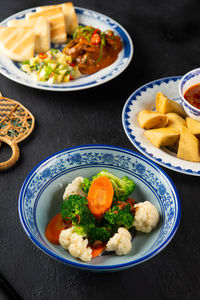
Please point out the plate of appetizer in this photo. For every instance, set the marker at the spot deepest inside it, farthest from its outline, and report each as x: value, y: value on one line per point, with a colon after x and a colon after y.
x: 99, y: 207
x: 157, y: 125
x: 76, y: 49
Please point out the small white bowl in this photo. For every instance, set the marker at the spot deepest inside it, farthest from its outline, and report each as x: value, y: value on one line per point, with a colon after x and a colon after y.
x: 188, y: 80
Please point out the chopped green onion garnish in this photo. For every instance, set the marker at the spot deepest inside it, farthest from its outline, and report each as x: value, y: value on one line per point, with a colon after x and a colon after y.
x: 103, y: 42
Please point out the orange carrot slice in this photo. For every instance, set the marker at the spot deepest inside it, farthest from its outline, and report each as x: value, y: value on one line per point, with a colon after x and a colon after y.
x: 100, y: 196
x: 54, y: 228
x: 97, y: 251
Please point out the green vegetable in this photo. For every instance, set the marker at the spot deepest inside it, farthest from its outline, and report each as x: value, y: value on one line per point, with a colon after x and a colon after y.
x: 36, y: 66
x: 48, y: 70
x: 26, y: 62
x: 119, y: 217
x: 123, y: 188
x: 75, y: 208
x: 98, y: 234
x: 86, y: 185
x: 54, y: 51
x: 80, y: 230
x: 83, y: 30
x: 103, y: 43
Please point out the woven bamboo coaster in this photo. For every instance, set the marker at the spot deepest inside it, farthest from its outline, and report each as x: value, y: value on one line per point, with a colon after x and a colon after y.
x: 16, y: 124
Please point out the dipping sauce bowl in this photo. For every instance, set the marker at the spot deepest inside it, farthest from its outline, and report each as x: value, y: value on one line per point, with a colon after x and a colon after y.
x: 189, y: 80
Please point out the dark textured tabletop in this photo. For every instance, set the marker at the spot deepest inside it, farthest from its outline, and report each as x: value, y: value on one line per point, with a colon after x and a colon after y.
x: 167, y: 43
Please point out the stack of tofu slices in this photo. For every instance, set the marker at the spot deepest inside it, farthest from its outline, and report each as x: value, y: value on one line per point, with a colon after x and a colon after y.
x: 34, y: 34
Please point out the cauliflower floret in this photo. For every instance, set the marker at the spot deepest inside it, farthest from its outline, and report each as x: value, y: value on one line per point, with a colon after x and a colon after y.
x: 78, y: 248
x: 65, y: 237
x: 74, y: 188
x: 123, y: 231
x: 120, y: 242
x: 75, y: 243
x: 146, y: 216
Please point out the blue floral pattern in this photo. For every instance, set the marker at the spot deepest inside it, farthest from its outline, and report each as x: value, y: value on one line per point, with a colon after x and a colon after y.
x: 108, y: 158
x: 189, y: 76
x: 46, y: 173
x: 191, y: 109
x: 140, y: 168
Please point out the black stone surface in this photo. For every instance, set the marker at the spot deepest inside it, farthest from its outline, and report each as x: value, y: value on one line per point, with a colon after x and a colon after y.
x: 167, y: 42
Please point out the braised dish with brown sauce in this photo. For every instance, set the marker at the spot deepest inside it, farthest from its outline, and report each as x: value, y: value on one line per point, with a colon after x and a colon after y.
x: 92, y: 50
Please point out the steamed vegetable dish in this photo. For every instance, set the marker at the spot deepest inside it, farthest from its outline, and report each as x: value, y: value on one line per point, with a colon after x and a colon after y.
x: 92, y: 50
x: 99, y: 215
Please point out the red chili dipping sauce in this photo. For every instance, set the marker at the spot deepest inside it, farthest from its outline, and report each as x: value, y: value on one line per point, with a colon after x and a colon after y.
x: 192, y: 95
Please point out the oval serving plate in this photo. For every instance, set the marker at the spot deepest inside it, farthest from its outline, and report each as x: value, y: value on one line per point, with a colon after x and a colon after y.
x: 145, y: 98
x: 41, y: 196
x: 11, y: 69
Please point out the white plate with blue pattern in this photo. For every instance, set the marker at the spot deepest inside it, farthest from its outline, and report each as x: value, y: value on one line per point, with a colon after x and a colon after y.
x: 144, y: 98
x: 41, y: 197
x: 12, y: 70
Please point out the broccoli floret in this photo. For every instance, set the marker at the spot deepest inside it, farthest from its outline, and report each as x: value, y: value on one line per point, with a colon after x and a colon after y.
x: 80, y: 230
x: 119, y: 217
x: 98, y: 234
x: 75, y: 208
x: 85, y: 185
x: 123, y: 188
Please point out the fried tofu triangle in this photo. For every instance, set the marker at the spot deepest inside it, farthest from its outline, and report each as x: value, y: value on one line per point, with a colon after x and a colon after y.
x: 175, y: 121
x: 151, y: 119
x: 165, y: 105
x: 162, y: 136
x: 193, y: 126
x: 189, y: 147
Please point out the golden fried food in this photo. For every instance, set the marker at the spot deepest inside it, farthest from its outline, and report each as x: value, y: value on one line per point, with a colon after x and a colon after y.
x: 189, y: 146
x: 165, y: 105
x: 151, y: 119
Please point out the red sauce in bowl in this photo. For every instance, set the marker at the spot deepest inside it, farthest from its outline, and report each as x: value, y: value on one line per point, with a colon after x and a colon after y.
x: 192, y: 95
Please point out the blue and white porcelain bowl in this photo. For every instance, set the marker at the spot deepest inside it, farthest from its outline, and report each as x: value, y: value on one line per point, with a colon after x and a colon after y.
x: 41, y: 196
x: 188, y: 80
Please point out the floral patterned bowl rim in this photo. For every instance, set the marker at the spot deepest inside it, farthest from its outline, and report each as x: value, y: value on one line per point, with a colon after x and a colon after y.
x: 12, y: 70
x: 75, y: 159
